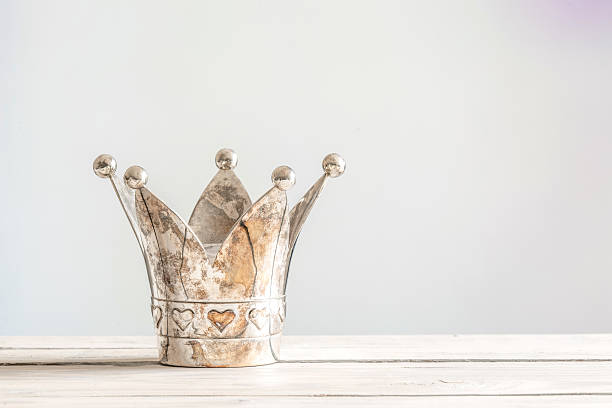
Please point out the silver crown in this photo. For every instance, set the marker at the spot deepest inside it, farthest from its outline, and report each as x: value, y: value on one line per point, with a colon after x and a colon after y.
x: 228, y: 312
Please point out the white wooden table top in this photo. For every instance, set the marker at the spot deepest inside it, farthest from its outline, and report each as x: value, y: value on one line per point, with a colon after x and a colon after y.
x: 381, y: 371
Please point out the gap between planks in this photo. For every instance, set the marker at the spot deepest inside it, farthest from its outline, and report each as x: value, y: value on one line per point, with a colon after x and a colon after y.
x: 120, y: 363
x: 328, y: 349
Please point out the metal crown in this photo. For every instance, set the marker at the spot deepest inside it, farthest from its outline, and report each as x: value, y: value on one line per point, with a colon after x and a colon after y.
x: 217, y: 282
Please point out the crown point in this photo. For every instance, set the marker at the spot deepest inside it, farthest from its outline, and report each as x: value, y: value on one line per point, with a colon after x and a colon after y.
x: 104, y: 165
x: 136, y: 177
x: 283, y: 177
x: 334, y: 165
x: 226, y: 159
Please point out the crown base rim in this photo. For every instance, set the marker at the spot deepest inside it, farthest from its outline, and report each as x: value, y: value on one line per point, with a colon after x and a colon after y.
x: 198, y: 352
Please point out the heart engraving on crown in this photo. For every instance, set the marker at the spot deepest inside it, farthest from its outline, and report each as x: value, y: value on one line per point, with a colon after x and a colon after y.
x: 221, y: 319
x: 258, y: 317
x: 182, y: 317
x: 156, y: 311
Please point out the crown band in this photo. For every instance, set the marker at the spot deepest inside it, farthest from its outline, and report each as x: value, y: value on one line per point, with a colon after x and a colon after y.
x: 200, y: 320
x: 220, y: 302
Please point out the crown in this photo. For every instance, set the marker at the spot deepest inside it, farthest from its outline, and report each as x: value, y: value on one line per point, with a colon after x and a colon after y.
x: 217, y: 282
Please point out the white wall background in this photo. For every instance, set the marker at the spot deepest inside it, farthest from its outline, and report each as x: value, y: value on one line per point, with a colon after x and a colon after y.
x: 478, y: 192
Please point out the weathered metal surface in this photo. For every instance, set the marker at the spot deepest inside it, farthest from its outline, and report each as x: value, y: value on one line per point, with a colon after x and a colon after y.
x: 187, y: 272
x: 127, y: 198
x: 230, y: 312
x: 300, y: 211
x: 281, y: 259
x: 247, y: 255
x: 223, y: 201
x: 159, y: 313
x: 152, y: 254
x: 297, y: 217
x: 242, y: 352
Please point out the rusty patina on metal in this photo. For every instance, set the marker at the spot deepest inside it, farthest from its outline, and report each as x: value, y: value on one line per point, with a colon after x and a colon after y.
x: 218, y: 282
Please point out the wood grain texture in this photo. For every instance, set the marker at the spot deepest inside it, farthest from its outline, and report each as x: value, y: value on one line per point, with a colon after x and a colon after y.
x: 436, y: 371
x: 307, y: 379
x: 79, y: 349
x: 322, y: 401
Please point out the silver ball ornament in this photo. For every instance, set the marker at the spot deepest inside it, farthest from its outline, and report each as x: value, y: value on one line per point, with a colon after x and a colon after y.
x: 104, y: 165
x: 135, y: 177
x: 283, y: 177
x: 226, y: 159
x: 334, y: 165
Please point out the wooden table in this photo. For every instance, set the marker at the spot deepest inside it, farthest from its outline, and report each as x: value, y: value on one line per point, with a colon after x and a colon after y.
x: 381, y: 371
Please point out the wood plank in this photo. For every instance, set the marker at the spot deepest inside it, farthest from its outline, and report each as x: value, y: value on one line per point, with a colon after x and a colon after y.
x: 314, y: 402
x: 310, y: 379
x: 450, y: 347
x: 141, y: 349
x: 71, y: 342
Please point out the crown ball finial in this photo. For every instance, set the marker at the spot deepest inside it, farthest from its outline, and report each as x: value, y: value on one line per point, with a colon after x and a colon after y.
x: 334, y: 165
x: 226, y: 159
x: 283, y: 177
x: 136, y: 177
x: 104, y: 165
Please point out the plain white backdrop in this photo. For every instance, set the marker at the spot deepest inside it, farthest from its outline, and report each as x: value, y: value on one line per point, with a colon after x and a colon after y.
x: 477, y: 135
